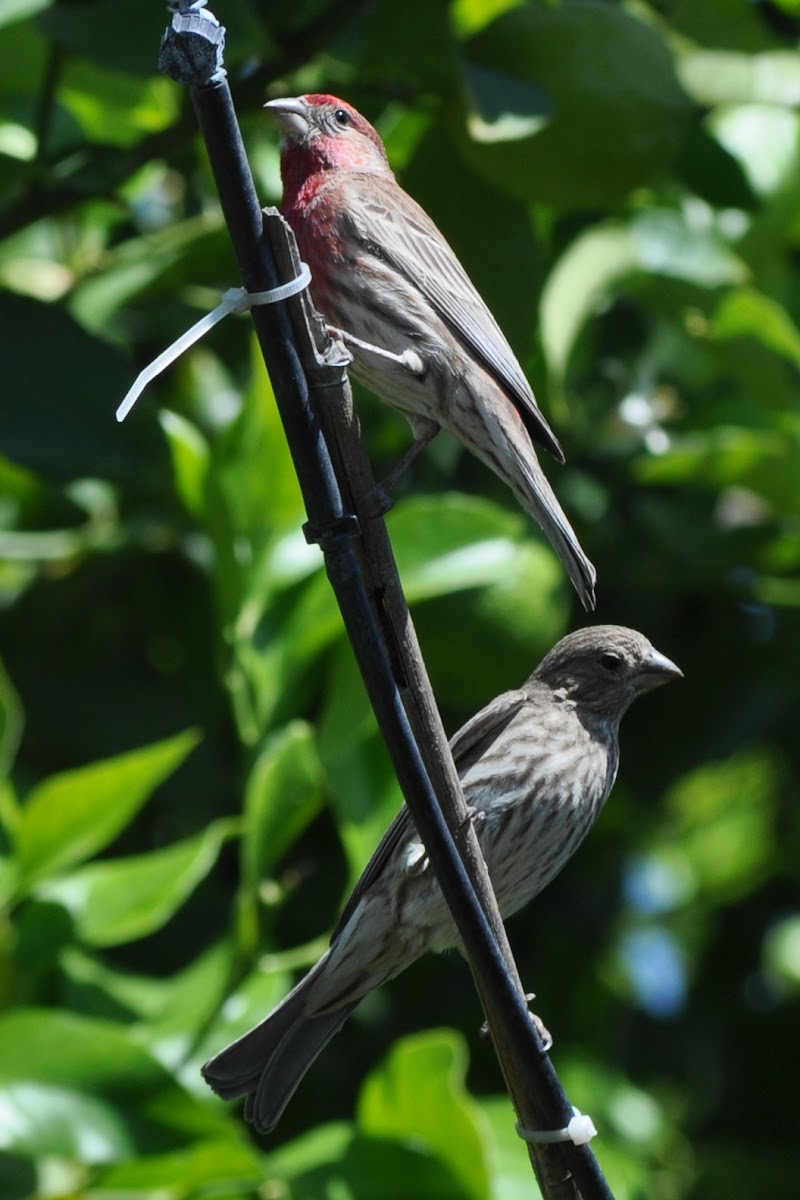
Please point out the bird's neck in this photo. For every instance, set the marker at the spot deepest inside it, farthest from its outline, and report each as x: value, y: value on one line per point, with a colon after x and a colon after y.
x: 305, y: 168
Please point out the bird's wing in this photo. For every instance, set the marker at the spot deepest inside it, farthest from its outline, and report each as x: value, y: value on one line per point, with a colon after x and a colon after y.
x: 409, y: 241
x: 474, y: 738
x: 470, y: 741
x: 400, y: 830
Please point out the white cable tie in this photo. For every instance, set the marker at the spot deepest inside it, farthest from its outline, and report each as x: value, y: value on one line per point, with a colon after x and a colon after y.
x: 580, y: 1131
x: 235, y: 300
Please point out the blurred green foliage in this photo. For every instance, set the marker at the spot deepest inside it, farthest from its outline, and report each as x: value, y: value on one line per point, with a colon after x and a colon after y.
x: 192, y: 777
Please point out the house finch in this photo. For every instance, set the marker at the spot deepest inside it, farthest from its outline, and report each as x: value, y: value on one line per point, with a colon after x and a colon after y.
x: 421, y: 337
x: 536, y: 766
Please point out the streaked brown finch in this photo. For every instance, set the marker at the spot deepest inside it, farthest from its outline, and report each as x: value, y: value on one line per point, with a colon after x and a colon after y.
x: 537, y: 766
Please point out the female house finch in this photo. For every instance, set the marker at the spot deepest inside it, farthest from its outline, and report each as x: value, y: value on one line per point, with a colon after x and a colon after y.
x: 421, y: 337
x: 536, y: 766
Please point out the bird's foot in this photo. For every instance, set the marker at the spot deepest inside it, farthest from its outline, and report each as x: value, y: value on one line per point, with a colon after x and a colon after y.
x: 475, y: 817
x: 545, y: 1037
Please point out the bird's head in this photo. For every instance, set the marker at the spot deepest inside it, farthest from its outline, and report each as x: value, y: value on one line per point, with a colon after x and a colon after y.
x: 324, y: 133
x: 603, y: 668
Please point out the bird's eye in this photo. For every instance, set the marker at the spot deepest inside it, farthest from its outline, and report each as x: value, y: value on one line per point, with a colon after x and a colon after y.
x: 342, y: 117
x: 611, y: 662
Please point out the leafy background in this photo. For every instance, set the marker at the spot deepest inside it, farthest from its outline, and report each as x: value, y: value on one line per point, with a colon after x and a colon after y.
x: 192, y: 777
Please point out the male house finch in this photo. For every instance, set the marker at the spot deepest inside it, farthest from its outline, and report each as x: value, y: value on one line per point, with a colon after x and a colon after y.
x: 421, y: 337
x: 536, y: 766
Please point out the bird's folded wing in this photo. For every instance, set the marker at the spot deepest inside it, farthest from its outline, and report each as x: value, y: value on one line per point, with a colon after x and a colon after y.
x: 400, y: 830
x: 468, y: 744
x: 412, y: 244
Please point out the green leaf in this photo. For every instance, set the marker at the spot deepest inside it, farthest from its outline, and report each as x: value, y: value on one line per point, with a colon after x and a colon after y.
x: 67, y: 1051
x: 71, y: 816
x: 471, y: 15
x: 763, y: 139
x: 255, y: 467
x: 11, y: 721
x: 284, y: 793
x: 390, y: 1170
x: 97, y: 989
x: 190, y: 460
x: 590, y: 93
x: 84, y: 1070
x: 115, y: 108
x: 655, y: 242
x: 581, y: 279
x: 317, y: 1154
x: 781, y: 953
x: 418, y: 1096
x: 746, y: 312
x: 763, y: 460
x: 124, y: 899
x: 474, y: 570
x: 365, y: 792
x: 12, y: 11
x: 449, y: 543
x: 684, y: 246
x: 189, y: 1000
x: 722, y: 817
x: 144, y: 268
x: 41, y: 1119
x: 509, y: 1165
x: 722, y: 77
x: 196, y: 1170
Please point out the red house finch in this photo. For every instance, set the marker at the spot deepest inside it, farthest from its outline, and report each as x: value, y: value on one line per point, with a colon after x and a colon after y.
x: 536, y: 766
x: 421, y: 337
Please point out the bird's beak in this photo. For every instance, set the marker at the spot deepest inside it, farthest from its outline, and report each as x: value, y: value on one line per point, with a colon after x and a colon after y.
x: 657, y: 669
x: 291, y: 113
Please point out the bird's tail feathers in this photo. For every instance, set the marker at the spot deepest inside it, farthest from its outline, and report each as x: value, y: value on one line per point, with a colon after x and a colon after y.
x: 538, y: 498
x: 500, y: 440
x: 279, y: 1050
x: 288, y: 1064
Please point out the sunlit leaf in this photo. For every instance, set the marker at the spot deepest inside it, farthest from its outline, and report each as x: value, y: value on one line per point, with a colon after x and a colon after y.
x: 722, y: 77
x: 763, y: 138
x: 190, y: 460
x: 123, y: 899
x: 17, y: 10
x: 580, y: 281
x: 781, y: 952
x: 418, y: 1095
x: 745, y: 312
x: 71, y: 816
x: 39, y: 1118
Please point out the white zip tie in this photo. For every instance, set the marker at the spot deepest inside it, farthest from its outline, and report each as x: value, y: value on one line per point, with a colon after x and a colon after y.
x: 235, y: 300
x: 580, y: 1131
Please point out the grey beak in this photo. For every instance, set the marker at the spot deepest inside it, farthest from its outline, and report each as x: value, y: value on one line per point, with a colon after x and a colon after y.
x: 291, y: 113
x: 657, y: 669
